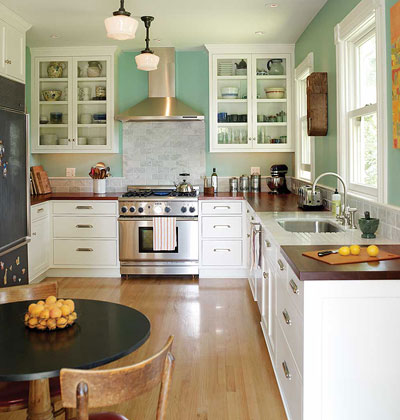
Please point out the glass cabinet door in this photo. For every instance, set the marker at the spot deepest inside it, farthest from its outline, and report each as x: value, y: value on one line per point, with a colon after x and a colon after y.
x: 53, y: 97
x: 231, y: 90
x: 271, y: 99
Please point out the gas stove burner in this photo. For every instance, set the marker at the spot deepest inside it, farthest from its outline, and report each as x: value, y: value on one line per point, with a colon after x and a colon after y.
x: 158, y: 193
x: 138, y: 193
x: 183, y: 194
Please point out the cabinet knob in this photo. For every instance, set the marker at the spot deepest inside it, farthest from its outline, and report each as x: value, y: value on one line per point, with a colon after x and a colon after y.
x: 8, y: 61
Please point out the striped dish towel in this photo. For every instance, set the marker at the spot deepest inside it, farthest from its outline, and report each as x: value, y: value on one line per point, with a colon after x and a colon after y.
x: 164, y: 233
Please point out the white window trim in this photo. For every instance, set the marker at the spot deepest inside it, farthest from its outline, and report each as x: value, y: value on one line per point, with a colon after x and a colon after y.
x: 359, y: 16
x: 306, y: 65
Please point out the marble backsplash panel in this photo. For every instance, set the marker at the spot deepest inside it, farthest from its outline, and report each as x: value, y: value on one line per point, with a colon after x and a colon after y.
x: 155, y: 153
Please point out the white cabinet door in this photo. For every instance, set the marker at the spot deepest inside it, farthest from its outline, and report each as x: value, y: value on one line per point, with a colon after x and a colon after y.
x: 39, y: 248
x: 3, y: 58
x: 15, y: 53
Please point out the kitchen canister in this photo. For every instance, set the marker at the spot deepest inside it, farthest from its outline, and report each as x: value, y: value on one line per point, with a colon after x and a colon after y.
x: 233, y: 184
x: 244, y: 183
x: 255, y: 182
x: 99, y: 186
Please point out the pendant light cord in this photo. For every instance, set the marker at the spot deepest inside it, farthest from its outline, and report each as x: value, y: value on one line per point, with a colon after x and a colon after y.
x: 147, y: 22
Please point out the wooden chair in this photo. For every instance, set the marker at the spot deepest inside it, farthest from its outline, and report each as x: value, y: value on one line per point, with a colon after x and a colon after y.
x: 82, y: 389
x: 14, y: 395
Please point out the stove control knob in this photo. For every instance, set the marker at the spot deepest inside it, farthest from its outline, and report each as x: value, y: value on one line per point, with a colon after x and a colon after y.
x: 192, y: 209
x: 183, y: 209
x: 140, y: 209
x: 132, y: 209
x: 167, y: 209
x: 124, y: 209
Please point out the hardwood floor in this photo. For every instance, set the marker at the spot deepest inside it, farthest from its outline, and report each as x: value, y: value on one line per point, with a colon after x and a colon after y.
x: 222, y: 370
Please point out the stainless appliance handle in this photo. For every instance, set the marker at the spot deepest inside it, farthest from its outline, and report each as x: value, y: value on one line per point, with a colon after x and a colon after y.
x: 13, y: 248
x: 28, y: 178
x: 150, y: 219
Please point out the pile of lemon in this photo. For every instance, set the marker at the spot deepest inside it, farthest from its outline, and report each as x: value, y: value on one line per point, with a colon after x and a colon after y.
x: 50, y: 314
x: 372, y: 250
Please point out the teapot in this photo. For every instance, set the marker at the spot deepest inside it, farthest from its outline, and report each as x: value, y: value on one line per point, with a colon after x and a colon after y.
x: 94, y: 69
x: 184, y: 186
x: 275, y: 67
x: 241, y: 68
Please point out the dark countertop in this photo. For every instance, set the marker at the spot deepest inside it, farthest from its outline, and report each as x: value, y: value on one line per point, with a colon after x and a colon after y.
x: 308, y: 269
x: 37, y: 199
x: 259, y: 201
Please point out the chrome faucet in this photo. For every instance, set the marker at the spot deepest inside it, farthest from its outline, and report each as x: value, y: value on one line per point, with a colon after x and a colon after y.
x: 347, y: 216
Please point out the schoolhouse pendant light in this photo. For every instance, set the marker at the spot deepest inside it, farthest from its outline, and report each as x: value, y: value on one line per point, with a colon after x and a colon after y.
x: 121, y: 26
x: 147, y: 60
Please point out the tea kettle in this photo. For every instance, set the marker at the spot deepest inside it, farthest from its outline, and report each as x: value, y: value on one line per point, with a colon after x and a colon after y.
x: 241, y: 65
x: 184, y: 186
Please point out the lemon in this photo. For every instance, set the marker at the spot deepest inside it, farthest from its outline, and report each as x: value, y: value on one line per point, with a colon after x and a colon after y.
x: 372, y: 250
x: 355, y: 250
x: 344, y: 251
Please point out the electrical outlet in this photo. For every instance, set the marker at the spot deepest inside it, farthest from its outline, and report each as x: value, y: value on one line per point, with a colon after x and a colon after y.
x: 70, y: 172
x: 255, y: 170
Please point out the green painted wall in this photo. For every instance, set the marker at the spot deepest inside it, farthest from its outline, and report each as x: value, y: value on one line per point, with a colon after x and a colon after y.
x: 319, y: 38
x: 192, y: 88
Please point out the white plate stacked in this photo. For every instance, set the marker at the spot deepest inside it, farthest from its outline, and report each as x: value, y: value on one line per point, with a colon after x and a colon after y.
x: 225, y: 68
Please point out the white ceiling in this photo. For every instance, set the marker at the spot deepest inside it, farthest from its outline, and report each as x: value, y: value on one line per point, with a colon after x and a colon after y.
x: 184, y: 24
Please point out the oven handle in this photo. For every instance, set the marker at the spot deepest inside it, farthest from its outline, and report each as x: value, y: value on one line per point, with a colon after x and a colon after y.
x: 150, y: 219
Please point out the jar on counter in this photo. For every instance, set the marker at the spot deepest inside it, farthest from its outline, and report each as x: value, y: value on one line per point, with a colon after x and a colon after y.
x: 233, y: 184
x: 255, y: 183
x: 244, y: 183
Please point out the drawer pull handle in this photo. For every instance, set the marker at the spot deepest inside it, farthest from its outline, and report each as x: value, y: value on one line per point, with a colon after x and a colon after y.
x: 286, y: 317
x: 222, y: 250
x: 40, y: 210
x: 222, y: 207
x: 84, y: 249
x: 222, y: 226
x: 267, y: 244
x: 265, y: 275
x: 286, y: 371
x: 84, y: 207
x: 294, y: 287
x: 84, y: 226
x: 281, y: 265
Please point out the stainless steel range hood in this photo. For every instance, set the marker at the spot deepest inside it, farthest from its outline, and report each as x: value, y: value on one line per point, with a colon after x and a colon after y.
x: 161, y: 105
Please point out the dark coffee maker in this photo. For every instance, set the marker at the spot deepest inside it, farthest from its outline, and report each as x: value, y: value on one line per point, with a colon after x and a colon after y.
x: 277, y: 182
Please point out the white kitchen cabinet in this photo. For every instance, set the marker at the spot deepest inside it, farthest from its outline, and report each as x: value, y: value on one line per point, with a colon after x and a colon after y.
x: 39, y: 249
x: 78, y: 128
x: 223, y: 248
x: 12, y: 45
x: 250, y: 121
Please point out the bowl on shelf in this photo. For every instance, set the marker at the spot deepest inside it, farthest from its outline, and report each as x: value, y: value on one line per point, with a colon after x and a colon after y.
x: 99, y: 118
x: 48, y: 139
x: 51, y: 95
x: 275, y: 92
x: 63, y: 142
x: 230, y: 92
x: 96, y: 141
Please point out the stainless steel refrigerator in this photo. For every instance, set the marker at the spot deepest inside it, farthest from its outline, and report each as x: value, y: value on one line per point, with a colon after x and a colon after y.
x: 14, y: 185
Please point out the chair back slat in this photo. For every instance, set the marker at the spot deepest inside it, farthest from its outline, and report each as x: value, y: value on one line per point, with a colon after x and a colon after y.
x: 28, y: 292
x: 114, y: 386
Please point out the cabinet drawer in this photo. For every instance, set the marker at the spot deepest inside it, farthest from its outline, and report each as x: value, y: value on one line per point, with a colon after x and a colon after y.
x: 221, y: 227
x: 289, y: 378
x: 85, y: 207
x: 222, y: 253
x: 295, y: 288
x: 221, y: 207
x: 292, y: 325
x: 85, y: 252
x: 85, y: 227
x: 39, y: 210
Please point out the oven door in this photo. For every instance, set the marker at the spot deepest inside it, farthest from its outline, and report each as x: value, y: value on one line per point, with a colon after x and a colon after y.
x: 136, y: 241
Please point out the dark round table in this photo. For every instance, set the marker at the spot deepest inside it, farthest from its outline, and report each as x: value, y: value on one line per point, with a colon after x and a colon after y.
x: 103, y: 332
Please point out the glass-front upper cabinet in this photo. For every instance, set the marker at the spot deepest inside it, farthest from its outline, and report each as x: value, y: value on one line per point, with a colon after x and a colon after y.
x: 72, y: 102
x: 250, y: 101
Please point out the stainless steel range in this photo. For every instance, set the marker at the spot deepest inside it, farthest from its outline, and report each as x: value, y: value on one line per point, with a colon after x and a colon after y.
x: 137, y: 210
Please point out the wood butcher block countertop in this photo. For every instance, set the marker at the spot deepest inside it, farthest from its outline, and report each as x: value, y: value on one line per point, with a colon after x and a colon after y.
x: 37, y: 199
x: 308, y: 269
x: 260, y: 202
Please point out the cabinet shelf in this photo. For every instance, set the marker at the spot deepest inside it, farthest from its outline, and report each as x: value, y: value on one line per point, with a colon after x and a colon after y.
x: 271, y: 100
x: 92, y: 79
x: 91, y: 102
x: 53, y: 102
x: 53, y: 79
x: 232, y: 101
x: 231, y: 77
x: 91, y: 125
x: 53, y: 125
x: 283, y: 77
x: 272, y: 124
x: 232, y: 124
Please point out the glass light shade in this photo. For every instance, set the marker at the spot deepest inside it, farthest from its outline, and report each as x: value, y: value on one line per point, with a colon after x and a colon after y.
x: 121, y: 27
x: 147, y: 61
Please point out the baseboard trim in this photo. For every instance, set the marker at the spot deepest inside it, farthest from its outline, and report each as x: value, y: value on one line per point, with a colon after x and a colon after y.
x: 79, y: 272
x: 222, y: 272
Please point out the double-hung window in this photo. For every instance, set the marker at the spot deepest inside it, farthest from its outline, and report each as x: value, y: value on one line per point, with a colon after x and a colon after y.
x: 304, y: 144
x: 360, y: 53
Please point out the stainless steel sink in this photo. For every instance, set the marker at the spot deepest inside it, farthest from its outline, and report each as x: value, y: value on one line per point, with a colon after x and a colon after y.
x: 309, y: 226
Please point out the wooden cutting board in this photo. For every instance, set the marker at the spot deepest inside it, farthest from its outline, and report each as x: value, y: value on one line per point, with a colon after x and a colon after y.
x: 336, y: 259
